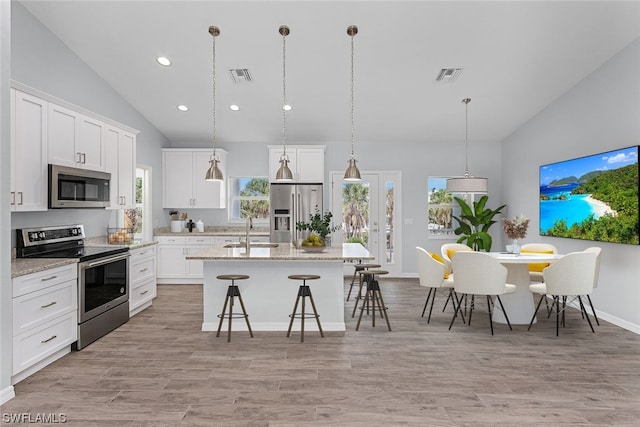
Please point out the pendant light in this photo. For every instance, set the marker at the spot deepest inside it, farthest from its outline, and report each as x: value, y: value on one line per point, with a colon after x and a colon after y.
x: 467, y: 183
x: 352, y: 173
x: 284, y: 173
x: 214, y: 173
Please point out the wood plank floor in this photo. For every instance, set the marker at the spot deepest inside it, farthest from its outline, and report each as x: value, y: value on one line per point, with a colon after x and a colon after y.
x: 159, y: 369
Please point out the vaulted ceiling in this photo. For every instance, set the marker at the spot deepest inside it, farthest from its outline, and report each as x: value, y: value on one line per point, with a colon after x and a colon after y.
x: 517, y: 58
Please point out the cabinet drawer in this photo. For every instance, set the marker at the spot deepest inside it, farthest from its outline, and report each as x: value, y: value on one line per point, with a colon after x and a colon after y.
x: 227, y: 239
x: 201, y: 240
x: 143, y: 253
x: 33, y: 346
x: 142, y: 270
x: 36, y: 308
x: 142, y: 293
x: 43, y: 279
x: 171, y: 240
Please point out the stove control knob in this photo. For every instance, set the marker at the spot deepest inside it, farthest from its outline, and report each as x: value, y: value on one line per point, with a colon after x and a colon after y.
x: 42, y: 235
x: 74, y: 231
x: 33, y: 237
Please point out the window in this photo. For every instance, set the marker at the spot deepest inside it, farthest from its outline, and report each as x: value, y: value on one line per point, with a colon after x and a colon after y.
x: 138, y: 219
x: 441, y: 209
x: 249, y: 197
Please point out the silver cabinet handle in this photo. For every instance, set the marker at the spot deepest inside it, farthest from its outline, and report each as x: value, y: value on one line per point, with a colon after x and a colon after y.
x: 21, y: 199
x: 46, y: 279
x: 84, y: 158
x: 79, y: 154
x: 49, y: 339
x: 13, y: 197
x: 145, y: 292
x: 143, y: 270
x: 49, y: 305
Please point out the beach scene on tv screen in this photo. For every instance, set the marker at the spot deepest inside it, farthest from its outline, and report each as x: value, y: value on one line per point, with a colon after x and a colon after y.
x: 591, y: 198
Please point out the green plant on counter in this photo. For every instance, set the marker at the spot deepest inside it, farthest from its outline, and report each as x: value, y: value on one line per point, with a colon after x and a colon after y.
x: 474, y: 223
x: 319, y: 224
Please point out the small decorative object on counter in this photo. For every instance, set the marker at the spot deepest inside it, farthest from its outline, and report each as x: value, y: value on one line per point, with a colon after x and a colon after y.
x: 119, y: 236
x: 191, y: 225
x: 200, y: 226
x: 320, y: 227
x: 514, y: 229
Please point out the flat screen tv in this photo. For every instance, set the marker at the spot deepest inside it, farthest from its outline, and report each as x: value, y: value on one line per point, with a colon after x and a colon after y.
x: 591, y: 198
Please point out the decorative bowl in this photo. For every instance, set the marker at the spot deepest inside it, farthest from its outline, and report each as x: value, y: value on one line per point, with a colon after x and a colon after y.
x: 313, y: 248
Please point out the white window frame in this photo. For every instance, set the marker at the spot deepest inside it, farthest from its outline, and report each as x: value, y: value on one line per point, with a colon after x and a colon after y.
x: 237, y: 198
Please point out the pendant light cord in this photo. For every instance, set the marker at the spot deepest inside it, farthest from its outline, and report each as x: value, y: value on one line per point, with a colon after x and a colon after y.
x: 352, y: 98
x: 466, y: 102
x: 284, y: 30
x: 214, y: 32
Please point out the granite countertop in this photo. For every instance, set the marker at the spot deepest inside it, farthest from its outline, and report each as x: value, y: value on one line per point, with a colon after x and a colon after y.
x: 214, y: 230
x: 24, y: 266
x: 283, y: 252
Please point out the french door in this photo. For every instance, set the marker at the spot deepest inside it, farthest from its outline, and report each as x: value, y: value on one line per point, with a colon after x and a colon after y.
x: 366, y: 211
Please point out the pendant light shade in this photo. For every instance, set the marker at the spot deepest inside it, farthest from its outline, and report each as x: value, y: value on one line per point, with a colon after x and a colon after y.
x: 214, y: 173
x: 467, y: 184
x: 352, y: 173
x: 284, y: 173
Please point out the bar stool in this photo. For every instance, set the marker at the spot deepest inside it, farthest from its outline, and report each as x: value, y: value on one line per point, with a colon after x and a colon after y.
x: 357, y: 269
x: 364, y: 278
x: 232, y: 291
x: 303, y: 292
x: 373, y: 293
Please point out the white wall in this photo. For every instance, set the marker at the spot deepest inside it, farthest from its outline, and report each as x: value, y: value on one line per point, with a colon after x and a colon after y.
x: 6, y: 389
x: 40, y: 60
x: 600, y: 113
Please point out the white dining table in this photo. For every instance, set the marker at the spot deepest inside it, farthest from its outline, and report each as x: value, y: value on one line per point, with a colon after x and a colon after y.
x: 519, y: 305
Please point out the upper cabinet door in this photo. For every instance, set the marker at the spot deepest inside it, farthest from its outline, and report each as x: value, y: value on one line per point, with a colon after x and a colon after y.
x: 127, y: 170
x: 208, y: 194
x: 91, y: 144
x: 310, y: 165
x: 178, y: 179
x: 63, y: 136
x: 29, y: 175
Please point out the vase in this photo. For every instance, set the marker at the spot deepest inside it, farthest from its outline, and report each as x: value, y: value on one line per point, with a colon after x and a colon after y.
x: 515, y: 247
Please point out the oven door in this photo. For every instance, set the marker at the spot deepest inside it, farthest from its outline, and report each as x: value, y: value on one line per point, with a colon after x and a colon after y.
x: 102, y: 284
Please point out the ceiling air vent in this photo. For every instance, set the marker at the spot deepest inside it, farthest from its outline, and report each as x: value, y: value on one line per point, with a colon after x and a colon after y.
x: 240, y: 75
x: 448, y: 75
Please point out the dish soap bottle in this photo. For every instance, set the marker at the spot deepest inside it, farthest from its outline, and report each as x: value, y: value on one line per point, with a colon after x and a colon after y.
x: 200, y: 226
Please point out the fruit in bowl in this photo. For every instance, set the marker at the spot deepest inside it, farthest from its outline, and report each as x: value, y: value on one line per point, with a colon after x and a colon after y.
x: 313, y: 240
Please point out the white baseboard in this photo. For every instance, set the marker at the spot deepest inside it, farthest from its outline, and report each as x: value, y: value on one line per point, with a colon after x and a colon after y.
x: 624, y: 324
x: 7, y: 394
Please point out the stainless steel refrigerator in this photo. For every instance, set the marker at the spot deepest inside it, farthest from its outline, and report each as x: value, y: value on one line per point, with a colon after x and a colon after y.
x: 289, y: 204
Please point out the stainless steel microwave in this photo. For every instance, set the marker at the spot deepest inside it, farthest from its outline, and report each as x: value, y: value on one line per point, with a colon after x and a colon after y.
x: 78, y: 188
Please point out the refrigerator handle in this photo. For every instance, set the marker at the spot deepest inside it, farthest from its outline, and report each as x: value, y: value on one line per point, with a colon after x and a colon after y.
x: 294, y: 219
x: 299, y: 211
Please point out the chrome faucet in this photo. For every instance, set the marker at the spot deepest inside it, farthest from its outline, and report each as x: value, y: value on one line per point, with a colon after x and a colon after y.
x: 249, y: 227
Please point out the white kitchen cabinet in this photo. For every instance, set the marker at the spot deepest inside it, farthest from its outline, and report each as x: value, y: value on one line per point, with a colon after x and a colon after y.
x: 184, y: 186
x: 121, y: 163
x: 75, y: 140
x: 173, y: 267
x: 29, y: 174
x: 305, y: 161
x: 142, y: 279
x: 45, y: 318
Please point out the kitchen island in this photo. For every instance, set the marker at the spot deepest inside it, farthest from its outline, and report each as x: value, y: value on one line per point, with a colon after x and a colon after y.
x: 269, y: 294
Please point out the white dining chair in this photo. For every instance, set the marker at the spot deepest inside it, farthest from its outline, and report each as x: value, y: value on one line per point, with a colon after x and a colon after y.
x: 478, y: 273
x: 447, y: 251
x: 432, y: 274
x: 572, y: 275
x: 598, y: 251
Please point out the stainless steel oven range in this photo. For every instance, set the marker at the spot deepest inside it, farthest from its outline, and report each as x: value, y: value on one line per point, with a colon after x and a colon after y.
x: 103, y: 276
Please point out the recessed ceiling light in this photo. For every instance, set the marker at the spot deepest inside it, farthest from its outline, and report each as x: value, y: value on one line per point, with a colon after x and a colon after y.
x: 287, y: 107
x: 163, y: 60
x: 234, y: 107
x: 183, y: 108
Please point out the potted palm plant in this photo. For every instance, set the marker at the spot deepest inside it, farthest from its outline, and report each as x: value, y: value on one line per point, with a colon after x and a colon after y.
x: 474, y: 223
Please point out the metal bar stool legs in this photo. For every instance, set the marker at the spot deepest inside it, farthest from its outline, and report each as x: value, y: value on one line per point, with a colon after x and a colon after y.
x: 362, y: 270
x: 374, y: 295
x: 232, y: 292
x: 304, y: 292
